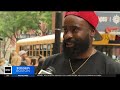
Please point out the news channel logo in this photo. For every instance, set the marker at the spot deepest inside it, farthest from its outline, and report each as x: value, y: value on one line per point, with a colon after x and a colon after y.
x: 8, y: 70
x: 23, y: 71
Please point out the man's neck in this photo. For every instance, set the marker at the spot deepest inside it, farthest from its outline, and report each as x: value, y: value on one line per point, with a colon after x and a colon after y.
x: 88, y: 53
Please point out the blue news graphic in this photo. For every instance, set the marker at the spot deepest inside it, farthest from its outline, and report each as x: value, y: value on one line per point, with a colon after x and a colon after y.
x: 23, y: 70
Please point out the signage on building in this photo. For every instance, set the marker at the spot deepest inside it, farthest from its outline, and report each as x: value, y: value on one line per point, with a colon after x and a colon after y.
x: 108, y: 19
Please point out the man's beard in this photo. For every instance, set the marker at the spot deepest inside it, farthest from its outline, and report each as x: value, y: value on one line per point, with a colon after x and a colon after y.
x: 80, y: 46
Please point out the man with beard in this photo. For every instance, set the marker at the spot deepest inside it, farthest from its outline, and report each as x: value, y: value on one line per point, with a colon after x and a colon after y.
x: 79, y: 56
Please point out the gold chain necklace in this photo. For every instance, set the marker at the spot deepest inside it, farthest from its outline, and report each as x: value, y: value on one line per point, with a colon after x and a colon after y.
x: 73, y: 72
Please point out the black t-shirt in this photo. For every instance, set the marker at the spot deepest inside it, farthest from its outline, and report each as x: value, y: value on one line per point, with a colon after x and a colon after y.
x: 97, y: 64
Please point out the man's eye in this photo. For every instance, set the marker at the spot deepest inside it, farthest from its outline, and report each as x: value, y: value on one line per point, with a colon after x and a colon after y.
x: 75, y: 29
x: 65, y: 29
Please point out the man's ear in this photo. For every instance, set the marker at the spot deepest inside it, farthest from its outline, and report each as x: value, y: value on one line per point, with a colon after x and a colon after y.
x: 92, y: 33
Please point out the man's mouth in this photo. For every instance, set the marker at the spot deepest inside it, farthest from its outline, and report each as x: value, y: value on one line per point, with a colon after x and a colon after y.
x: 69, y: 44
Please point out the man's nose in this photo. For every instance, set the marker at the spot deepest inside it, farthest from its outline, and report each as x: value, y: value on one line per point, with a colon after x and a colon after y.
x: 68, y: 35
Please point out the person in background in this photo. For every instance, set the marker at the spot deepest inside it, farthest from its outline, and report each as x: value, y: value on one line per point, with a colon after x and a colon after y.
x: 34, y: 62
x: 2, y: 65
x: 26, y: 61
x: 40, y: 62
x: 14, y: 53
x: 16, y: 60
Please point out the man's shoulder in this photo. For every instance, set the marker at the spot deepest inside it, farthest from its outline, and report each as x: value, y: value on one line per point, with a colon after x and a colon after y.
x: 51, y: 59
x: 102, y: 57
x: 112, y: 67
